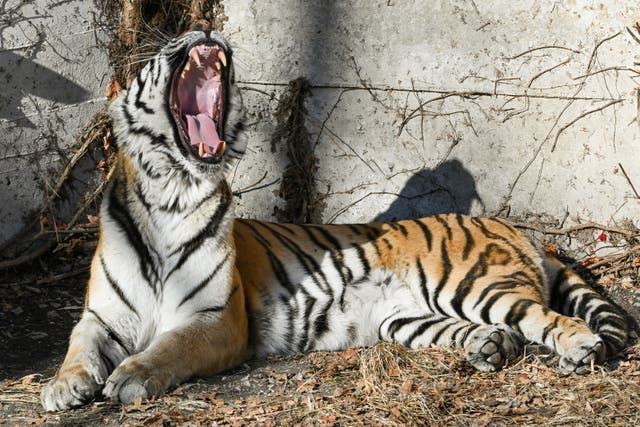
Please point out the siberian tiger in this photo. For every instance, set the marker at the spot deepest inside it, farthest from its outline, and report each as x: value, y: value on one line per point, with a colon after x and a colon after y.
x: 180, y: 288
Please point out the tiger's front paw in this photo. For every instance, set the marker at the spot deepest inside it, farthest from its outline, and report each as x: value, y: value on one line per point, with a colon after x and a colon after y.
x: 133, y: 380
x: 586, y: 351
x: 72, y: 387
x: 489, y: 347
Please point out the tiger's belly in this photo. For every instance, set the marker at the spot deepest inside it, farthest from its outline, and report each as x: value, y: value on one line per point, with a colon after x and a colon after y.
x: 313, y: 320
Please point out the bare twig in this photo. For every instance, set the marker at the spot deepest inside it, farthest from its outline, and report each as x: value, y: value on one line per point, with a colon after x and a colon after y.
x: 579, y: 227
x: 581, y: 116
x: 540, y: 74
x: 541, y: 48
x: 613, y: 258
x: 629, y: 181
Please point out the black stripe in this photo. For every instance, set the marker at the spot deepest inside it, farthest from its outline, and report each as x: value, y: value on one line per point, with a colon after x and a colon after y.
x: 468, y: 245
x: 336, y: 256
x: 426, y: 232
x: 478, y: 270
x: 219, y: 308
x: 308, y: 263
x: 550, y: 327
x: 206, y: 281
x: 139, y: 103
x: 454, y: 336
x: 209, y: 230
x: 445, y: 224
x: 485, y: 313
x: 354, y: 228
x: 380, y: 337
x: 402, y: 229
x: 423, y: 283
x: 308, y: 308
x: 397, y: 324
x: 518, y: 312
x: 285, y: 227
x: 524, y: 259
x: 138, y: 192
x: 421, y: 330
x: 362, y: 257
x: 123, y: 219
x: 501, y: 285
x: 438, y: 334
x: 112, y: 334
x: 468, y: 333
x: 276, y: 264
x: 116, y: 288
x: 336, y: 244
x: 446, y: 272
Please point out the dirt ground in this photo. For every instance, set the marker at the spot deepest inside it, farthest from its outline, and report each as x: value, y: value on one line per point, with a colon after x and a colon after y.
x: 382, y: 385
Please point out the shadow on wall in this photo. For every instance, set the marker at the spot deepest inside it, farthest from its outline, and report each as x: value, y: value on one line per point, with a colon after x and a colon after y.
x: 21, y: 77
x: 448, y: 188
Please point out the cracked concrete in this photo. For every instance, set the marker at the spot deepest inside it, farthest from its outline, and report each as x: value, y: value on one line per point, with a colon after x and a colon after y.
x: 53, y: 71
x: 464, y: 106
x: 470, y: 106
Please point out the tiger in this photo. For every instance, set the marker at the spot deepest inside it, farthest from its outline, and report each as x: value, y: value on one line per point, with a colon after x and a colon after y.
x: 180, y: 288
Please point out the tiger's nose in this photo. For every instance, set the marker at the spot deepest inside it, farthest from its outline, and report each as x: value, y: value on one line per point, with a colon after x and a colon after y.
x: 202, y: 25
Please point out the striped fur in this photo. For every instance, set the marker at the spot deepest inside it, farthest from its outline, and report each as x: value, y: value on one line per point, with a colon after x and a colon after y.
x: 179, y: 287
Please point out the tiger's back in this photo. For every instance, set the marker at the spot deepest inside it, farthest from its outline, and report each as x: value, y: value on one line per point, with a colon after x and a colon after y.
x: 432, y: 280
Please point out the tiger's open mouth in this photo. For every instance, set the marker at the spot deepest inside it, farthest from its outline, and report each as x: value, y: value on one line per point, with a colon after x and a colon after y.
x: 197, y: 101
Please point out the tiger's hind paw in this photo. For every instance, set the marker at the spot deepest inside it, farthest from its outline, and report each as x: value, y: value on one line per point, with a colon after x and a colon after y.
x: 587, y: 351
x: 489, y: 347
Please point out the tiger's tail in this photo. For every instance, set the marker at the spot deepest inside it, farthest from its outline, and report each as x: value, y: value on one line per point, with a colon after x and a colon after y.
x: 570, y: 295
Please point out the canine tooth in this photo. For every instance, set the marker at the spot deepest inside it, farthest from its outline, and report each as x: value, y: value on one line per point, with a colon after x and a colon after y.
x: 218, y: 66
x: 222, y: 57
x: 182, y: 74
x: 196, y: 58
x: 201, y: 150
x: 223, y: 146
x: 186, y: 67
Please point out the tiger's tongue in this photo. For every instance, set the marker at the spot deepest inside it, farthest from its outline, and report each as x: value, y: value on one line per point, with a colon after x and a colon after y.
x: 198, y: 93
x: 202, y: 129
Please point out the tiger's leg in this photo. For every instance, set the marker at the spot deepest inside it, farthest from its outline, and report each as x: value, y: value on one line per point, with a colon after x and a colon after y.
x: 487, y: 347
x: 577, y: 345
x: 211, y: 342
x: 94, y: 351
x: 572, y: 296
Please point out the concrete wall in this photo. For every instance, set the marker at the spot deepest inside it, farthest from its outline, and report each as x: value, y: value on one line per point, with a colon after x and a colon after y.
x: 52, y: 79
x: 474, y: 106
x: 478, y: 106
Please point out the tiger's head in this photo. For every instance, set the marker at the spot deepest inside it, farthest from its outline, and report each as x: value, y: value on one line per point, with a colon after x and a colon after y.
x: 180, y: 115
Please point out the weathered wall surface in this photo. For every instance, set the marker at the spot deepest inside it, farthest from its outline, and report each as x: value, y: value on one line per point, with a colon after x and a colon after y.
x: 52, y: 79
x: 474, y: 106
x: 416, y: 107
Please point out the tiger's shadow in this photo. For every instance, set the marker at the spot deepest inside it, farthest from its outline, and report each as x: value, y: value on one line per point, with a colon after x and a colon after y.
x: 447, y: 188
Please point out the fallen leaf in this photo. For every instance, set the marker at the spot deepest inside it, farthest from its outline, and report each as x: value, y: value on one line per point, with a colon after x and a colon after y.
x: 406, y: 386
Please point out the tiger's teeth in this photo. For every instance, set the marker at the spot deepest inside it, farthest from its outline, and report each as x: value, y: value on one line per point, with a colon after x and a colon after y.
x: 196, y: 58
x: 223, y: 146
x: 201, y: 150
x: 222, y: 57
x: 182, y: 74
x: 218, y: 66
x: 186, y: 67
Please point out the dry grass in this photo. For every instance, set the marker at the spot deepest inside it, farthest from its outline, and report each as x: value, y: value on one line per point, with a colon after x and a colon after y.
x: 382, y: 385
